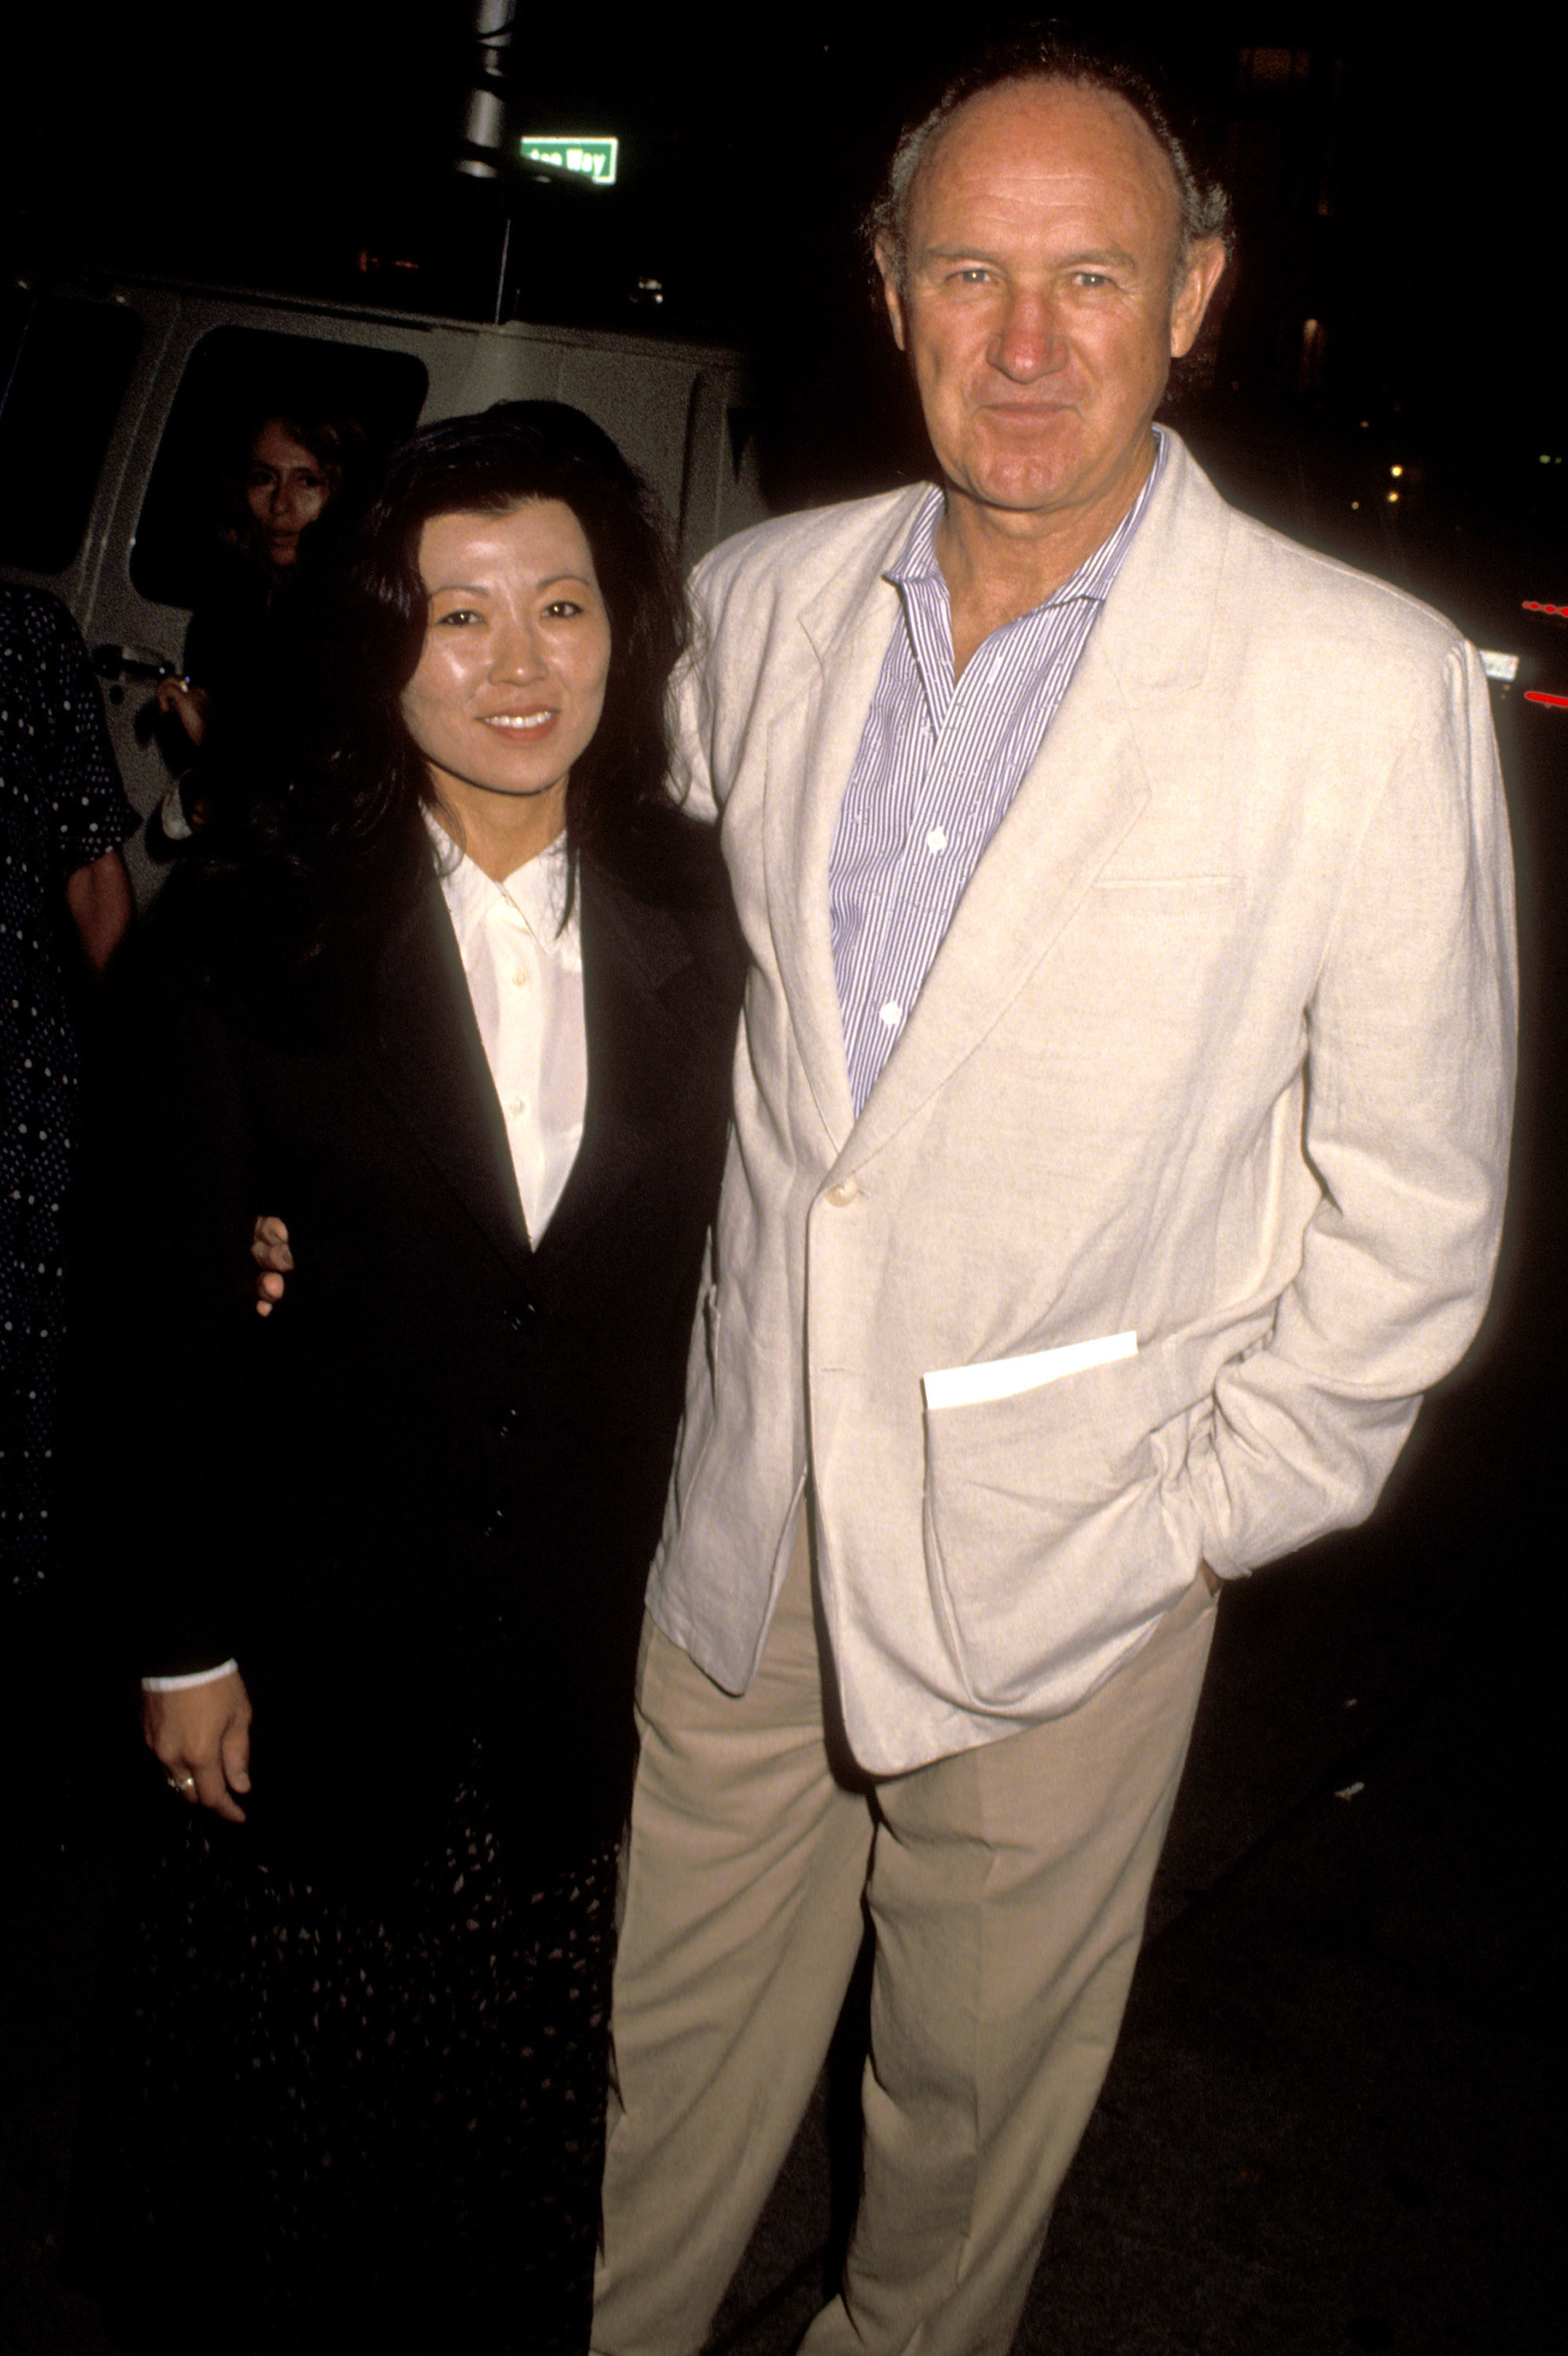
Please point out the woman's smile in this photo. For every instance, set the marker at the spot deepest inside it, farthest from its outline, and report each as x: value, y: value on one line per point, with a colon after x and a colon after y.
x: 535, y: 720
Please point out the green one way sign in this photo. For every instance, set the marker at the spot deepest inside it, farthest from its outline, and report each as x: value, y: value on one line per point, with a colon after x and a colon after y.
x: 594, y: 158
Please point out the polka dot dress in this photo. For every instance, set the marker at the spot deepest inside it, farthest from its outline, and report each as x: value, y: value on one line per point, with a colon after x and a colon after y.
x: 383, y: 2119
x: 61, y: 807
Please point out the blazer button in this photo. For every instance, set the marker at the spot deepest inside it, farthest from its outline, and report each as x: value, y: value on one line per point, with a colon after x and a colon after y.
x: 509, y: 1423
x: 493, y: 1526
x: 844, y: 1193
x: 522, y: 1316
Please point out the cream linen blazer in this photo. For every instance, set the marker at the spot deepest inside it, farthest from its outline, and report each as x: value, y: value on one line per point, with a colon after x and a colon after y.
x: 1218, y: 1050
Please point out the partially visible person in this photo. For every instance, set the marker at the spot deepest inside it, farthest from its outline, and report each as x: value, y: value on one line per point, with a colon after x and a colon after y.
x: 289, y: 473
x: 467, y: 997
x: 65, y: 901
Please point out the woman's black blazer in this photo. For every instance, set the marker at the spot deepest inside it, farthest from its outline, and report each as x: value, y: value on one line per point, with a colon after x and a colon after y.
x: 418, y: 1503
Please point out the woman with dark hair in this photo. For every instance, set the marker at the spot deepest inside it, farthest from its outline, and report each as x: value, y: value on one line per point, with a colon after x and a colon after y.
x: 286, y: 474
x: 457, y: 1002
x: 287, y: 509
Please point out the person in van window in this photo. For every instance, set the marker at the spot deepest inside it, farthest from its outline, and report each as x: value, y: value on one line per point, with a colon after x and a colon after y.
x: 288, y: 507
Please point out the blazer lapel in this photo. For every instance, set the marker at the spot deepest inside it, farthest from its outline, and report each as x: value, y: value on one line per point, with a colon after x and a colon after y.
x: 630, y: 951
x: 430, y: 1065
x: 811, y: 750
x: 1077, y: 801
x: 1083, y: 792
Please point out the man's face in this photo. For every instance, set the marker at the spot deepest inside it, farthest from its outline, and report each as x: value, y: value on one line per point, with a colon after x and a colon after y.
x: 1036, y: 304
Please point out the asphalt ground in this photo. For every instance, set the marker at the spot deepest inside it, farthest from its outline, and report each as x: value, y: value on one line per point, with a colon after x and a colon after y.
x: 1331, y: 2123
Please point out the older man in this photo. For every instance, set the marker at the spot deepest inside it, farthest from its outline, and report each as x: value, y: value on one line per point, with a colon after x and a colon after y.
x: 1121, y: 1125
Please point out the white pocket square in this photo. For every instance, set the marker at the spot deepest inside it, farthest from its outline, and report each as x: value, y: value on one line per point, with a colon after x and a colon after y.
x: 999, y: 1379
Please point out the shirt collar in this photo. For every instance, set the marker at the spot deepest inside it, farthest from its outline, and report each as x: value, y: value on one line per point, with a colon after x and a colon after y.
x: 536, y: 892
x: 916, y: 561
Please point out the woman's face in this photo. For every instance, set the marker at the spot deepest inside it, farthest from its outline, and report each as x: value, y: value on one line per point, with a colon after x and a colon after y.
x: 510, y: 681
x: 285, y: 490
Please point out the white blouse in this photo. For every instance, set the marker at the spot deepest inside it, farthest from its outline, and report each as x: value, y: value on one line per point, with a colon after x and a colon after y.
x: 524, y: 970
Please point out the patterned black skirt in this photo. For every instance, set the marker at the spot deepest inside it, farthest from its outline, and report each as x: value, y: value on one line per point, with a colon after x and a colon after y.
x: 312, y: 2119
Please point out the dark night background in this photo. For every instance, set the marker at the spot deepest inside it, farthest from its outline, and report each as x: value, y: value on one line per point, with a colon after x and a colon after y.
x: 1395, y: 188
x: 1328, y: 2126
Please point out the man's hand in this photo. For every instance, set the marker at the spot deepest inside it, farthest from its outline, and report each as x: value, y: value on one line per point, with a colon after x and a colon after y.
x: 200, y: 1736
x: 270, y: 1250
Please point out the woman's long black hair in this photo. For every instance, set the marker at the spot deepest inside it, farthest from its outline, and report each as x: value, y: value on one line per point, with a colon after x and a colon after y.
x: 336, y: 782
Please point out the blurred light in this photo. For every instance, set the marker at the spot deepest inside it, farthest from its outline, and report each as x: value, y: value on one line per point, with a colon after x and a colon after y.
x: 1538, y: 695
x: 1495, y: 666
x: 1354, y: 504
x: 1391, y: 498
x: 1397, y: 471
x: 1534, y: 606
x: 1365, y: 422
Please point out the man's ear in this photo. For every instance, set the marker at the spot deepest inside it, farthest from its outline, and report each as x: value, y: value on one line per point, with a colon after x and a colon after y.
x: 891, y: 295
x: 1205, y: 268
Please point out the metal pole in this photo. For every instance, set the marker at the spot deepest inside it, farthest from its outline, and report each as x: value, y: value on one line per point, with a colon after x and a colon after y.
x: 485, y: 125
x: 501, y: 273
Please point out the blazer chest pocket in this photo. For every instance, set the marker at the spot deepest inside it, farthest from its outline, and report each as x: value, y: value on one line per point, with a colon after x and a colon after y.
x: 1046, y: 1537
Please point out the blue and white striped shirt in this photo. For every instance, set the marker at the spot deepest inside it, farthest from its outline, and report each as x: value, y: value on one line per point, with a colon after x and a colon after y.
x: 938, y: 765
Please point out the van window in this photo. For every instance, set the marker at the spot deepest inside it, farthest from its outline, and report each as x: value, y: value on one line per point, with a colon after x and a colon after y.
x: 64, y: 367
x: 236, y: 379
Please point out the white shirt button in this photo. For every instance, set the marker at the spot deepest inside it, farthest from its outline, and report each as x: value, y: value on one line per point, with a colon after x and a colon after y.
x: 843, y: 1194
x: 935, y: 840
x: 892, y: 1014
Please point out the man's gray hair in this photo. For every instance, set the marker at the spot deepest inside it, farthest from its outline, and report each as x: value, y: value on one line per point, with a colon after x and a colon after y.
x: 1203, y: 207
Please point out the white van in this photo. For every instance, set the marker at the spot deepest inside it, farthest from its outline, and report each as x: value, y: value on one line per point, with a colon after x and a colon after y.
x: 113, y: 394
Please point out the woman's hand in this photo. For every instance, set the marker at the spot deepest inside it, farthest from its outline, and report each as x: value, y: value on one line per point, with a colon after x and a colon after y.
x: 178, y: 695
x: 200, y: 1736
x: 270, y: 1250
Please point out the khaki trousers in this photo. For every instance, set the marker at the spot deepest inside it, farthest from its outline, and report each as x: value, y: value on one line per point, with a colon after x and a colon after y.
x: 1006, y: 1888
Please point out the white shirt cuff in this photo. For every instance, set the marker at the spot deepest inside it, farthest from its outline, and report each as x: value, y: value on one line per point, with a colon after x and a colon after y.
x: 196, y: 1677
x: 172, y: 817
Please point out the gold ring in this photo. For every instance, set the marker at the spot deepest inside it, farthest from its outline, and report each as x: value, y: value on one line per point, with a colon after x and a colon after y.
x: 180, y: 1782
